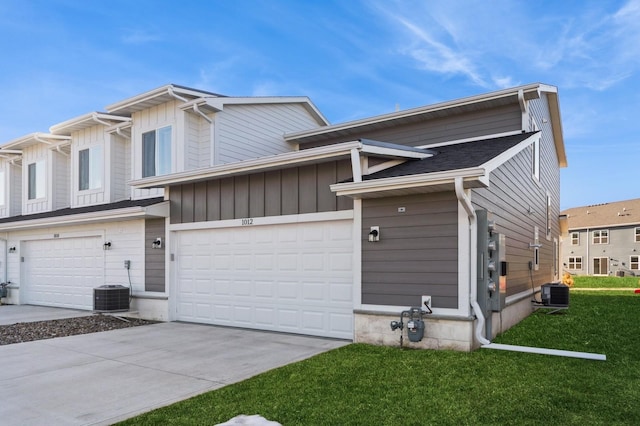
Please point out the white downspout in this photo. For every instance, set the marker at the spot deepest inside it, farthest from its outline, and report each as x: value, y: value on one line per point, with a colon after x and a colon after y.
x: 473, y: 256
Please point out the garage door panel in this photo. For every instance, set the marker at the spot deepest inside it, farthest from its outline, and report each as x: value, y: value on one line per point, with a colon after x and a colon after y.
x: 63, y: 272
x: 294, y: 277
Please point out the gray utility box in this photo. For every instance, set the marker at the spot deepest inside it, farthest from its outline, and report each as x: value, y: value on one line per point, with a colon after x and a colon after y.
x: 111, y: 298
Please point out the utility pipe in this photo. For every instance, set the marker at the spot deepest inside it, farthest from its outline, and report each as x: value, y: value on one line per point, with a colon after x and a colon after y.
x: 473, y: 256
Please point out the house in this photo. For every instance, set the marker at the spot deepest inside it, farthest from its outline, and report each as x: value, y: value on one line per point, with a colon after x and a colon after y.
x: 268, y: 217
x: 602, y: 239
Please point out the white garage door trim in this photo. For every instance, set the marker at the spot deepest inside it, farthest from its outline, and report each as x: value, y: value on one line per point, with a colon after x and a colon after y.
x: 62, y: 272
x: 289, y: 277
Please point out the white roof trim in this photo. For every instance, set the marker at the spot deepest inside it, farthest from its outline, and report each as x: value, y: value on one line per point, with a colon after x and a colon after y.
x: 168, y: 89
x: 87, y: 120
x: 272, y: 161
x: 156, y: 210
x: 499, y: 160
x: 33, y: 139
x: 410, y: 181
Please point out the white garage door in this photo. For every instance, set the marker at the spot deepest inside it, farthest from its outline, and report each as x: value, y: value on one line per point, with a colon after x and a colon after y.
x: 293, y: 278
x: 63, y: 272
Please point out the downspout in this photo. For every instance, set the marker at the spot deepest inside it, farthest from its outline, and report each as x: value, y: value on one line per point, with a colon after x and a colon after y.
x: 473, y: 255
x: 172, y: 93
x: 61, y: 152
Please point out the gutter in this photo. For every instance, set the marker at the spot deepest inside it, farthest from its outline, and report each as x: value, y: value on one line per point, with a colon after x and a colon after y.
x: 473, y: 255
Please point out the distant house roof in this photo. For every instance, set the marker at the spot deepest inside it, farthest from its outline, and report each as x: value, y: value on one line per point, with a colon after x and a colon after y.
x: 619, y: 213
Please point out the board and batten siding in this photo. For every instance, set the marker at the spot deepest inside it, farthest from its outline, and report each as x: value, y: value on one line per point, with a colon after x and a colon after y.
x: 61, y: 183
x: 252, y: 131
x: 435, y: 130
x: 295, y: 190
x: 154, y: 272
x: 85, y: 139
x: 517, y: 203
x: 417, y: 253
x: 119, y: 168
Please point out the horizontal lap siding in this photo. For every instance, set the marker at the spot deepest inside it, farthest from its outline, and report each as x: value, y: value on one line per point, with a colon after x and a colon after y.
x: 417, y: 253
x: 296, y: 190
x: 487, y: 122
x: 253, y: 131
x: 512, y: 193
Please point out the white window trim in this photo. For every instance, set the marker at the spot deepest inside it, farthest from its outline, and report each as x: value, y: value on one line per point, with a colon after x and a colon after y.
x: 594, y: 266
x: 599, y: 231
x: 575, y: 262
x: 636, y: 235
x: 535, y: 160
x: 637, y: 262
x: 41, y: 181
x: 102, y: 174
x: 578, y: 238
x: 172, y: 153
x: 3, y: 188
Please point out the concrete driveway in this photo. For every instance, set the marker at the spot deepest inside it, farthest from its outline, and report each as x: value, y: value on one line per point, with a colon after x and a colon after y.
x: 105, y: 377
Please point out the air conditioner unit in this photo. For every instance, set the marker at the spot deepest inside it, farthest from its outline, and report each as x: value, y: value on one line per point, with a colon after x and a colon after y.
x: 111, y: 298
x: 555, y: 295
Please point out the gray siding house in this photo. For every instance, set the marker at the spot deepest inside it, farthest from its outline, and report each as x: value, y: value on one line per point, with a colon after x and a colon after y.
x: 602, y: 239
x: 266, y: 213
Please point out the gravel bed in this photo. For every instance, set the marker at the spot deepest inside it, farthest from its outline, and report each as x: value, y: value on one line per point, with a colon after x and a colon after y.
x: 30, y: 331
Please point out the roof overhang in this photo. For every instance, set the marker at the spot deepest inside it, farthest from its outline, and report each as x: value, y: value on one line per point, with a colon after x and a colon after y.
x: 155, y: 97
x: 413, y: 184
x: 158, y: 210
x: 288, y: 159
x: 34, y: 139
x: 215, y: 104
x: 86, y: 121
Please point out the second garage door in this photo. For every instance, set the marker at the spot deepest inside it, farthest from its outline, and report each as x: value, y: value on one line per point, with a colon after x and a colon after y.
x: 63, y: 272
x: 293, y: 278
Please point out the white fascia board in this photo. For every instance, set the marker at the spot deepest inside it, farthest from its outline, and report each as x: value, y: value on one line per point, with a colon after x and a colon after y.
x: 84, y: 121
x: 272, y: 161
x: 394, y: 152
x: 411, y: 181
x: 496, y: 162
x: 218, y: 104
x: 116, y: 215
x: 473, y: 139
x: 34, y: 139
x: 147, y: 96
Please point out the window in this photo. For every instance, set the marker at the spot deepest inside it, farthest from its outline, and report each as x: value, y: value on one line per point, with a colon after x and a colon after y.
x: 601, y: 237
x: 36, y: 180
x: 156, y: 152
x: 90, y: 168
x: 634, y: 263
x: 601, y: 266
x: 2, y: 188
x: 637, y: 235
x: 535, y: 159
x: 575, y: 238
x: 575, y: 262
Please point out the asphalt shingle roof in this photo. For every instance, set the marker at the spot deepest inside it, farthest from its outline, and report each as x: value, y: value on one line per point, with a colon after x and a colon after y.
x: 89, y: 209
x: 454, y: 157
x: 604, y: 215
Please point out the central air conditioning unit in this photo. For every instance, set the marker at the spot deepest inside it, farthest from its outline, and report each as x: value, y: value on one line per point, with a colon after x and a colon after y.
x: 111, y: 298
x: 555, y: 295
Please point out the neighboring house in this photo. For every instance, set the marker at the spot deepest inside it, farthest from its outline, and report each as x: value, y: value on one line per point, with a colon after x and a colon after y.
x: 602, y: 239
x: 265, y: 212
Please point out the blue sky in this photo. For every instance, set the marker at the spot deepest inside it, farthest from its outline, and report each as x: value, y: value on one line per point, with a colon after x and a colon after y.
x: 354, y: 59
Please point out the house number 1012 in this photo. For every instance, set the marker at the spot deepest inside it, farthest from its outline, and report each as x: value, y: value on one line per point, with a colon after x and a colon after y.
x: 248, y: 221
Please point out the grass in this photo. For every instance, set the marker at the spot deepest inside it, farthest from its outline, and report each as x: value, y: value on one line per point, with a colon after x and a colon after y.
x: 370, y: 385
x: 606, y: 282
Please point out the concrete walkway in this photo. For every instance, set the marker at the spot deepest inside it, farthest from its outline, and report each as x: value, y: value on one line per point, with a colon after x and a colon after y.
x: 101, y: 378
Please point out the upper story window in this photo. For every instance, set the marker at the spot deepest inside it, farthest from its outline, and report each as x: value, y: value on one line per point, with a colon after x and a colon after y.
x: 36, y: 180
x: 156, y: 152
x: 575, y: 238
x: 601, y: 237
x: 637, y: 239
x: 90, y: 168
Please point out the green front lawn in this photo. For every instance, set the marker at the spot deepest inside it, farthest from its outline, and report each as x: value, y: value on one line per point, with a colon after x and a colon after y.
x: 606, y: 282
x: 370, y: 385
